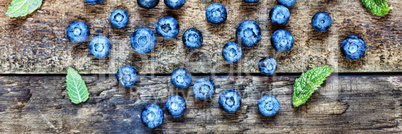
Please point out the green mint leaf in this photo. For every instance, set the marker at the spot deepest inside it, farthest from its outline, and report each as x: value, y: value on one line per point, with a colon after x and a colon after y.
x: 21, y: 8
x: 308, y: 82
x: 76, y: 89
x: 377, y: 7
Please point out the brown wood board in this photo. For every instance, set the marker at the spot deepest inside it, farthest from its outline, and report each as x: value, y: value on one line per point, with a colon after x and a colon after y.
x: 37, y: 44
x: 344, y: 104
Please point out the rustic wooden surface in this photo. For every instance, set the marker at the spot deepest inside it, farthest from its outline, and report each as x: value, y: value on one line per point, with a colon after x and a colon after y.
x: 344, y: 104
x: 37, y: 44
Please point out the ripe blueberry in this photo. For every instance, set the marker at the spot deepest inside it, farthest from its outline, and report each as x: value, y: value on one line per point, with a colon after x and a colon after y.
x: 119, y: 18
x: 168, y: 27
x: 321, y: 21
x: 143, y: 40
x: 152, y: 116
x: 268, y: 105
x: 174, y: 4
x: 279, y: 15
x: 232, y: 52
x: 77, y: 32
x: 282, y: 40
x: 267, y: 66
x: 353, y: 47
x: 248, y: 33
x: 176, y: 105
x: 100, y: 47
x: 181, y: 78
x: 203, y: 89
x: 192, y: 38
x: 127, y: 75
x: 287, y: 3
x: 229, y: 100
x: 94, y: 1
x: 147, y: 4
x: 216, y: 13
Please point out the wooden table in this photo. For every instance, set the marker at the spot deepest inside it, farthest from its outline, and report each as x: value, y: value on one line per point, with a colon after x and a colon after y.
x: 361, y: 96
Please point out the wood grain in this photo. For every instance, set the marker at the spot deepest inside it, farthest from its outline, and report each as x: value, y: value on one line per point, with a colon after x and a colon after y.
x: 37, y: 44
x: 344, y: 104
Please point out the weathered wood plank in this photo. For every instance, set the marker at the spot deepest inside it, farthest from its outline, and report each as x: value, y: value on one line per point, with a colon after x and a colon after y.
x: 38, y: 44
x: 342, y: 105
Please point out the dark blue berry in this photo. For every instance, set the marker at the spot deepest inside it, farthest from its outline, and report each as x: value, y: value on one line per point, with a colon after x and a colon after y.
x: 168, y: 27
x: 119, y: 18
x: 279, y: 15
x: 353, y: 47
x: 94, y: 1
x: 267, y: 66
x: 321, y: 21
x: 287, y: 3
x: 282, y: 40
x: 77, y: 32
x: 250, y: 1
x: 192, y: 38
x: 127, y: 75
x: 100, y: 47
x: 229, y: 100
x: 152, y: 116
x: 216, y: 13
x: 181, y: 78
x: 203, y: 89
x: 248, y: 33
x: 232, y: 52
x: 147, y: 4
x: 174, y: 4
x: 143, y: 40
x: 176, y: 105
x: 268, y: 105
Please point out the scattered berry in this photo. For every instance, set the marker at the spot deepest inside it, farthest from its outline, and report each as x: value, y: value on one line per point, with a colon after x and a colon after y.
x: 353, y: 47
x: 77, y: 32
x: 127, y: 75
x: 203, y: 89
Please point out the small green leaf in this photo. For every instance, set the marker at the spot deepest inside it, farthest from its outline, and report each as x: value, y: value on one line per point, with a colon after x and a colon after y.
x: 377, y: 7
x: 76, y: 89
x: 308, y: 82
x: 20, y: 8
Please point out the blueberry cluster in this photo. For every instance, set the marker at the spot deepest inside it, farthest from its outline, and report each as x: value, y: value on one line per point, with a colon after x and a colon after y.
x: 248, y: 34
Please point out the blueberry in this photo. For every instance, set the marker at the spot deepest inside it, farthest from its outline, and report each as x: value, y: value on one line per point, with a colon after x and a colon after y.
x: 100, y: 47
x: 268, y: 105
x: 203, y: 89
x: 229, y: 100
x: 127, y: 75
x: 152, y: 116
x: 282, y: 40
x: 192, y: 38
x: 232, y: 52
x: 353, y: 47
x: 250, y: 1
x: 321, y: 21
x: 216, y: 13
x: 267, y: 66
x: 287, y: 3
x: 147, y: 4
x: 181, y: 78
x: 176, y: 105
x: 119, y: 18
x: 94, y: 1
x: 248, y: 33
x: 174, y: 4
x: 77, y: 32
x: 168, y: 27
x: 143, y: 40
x: 279, y: 15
